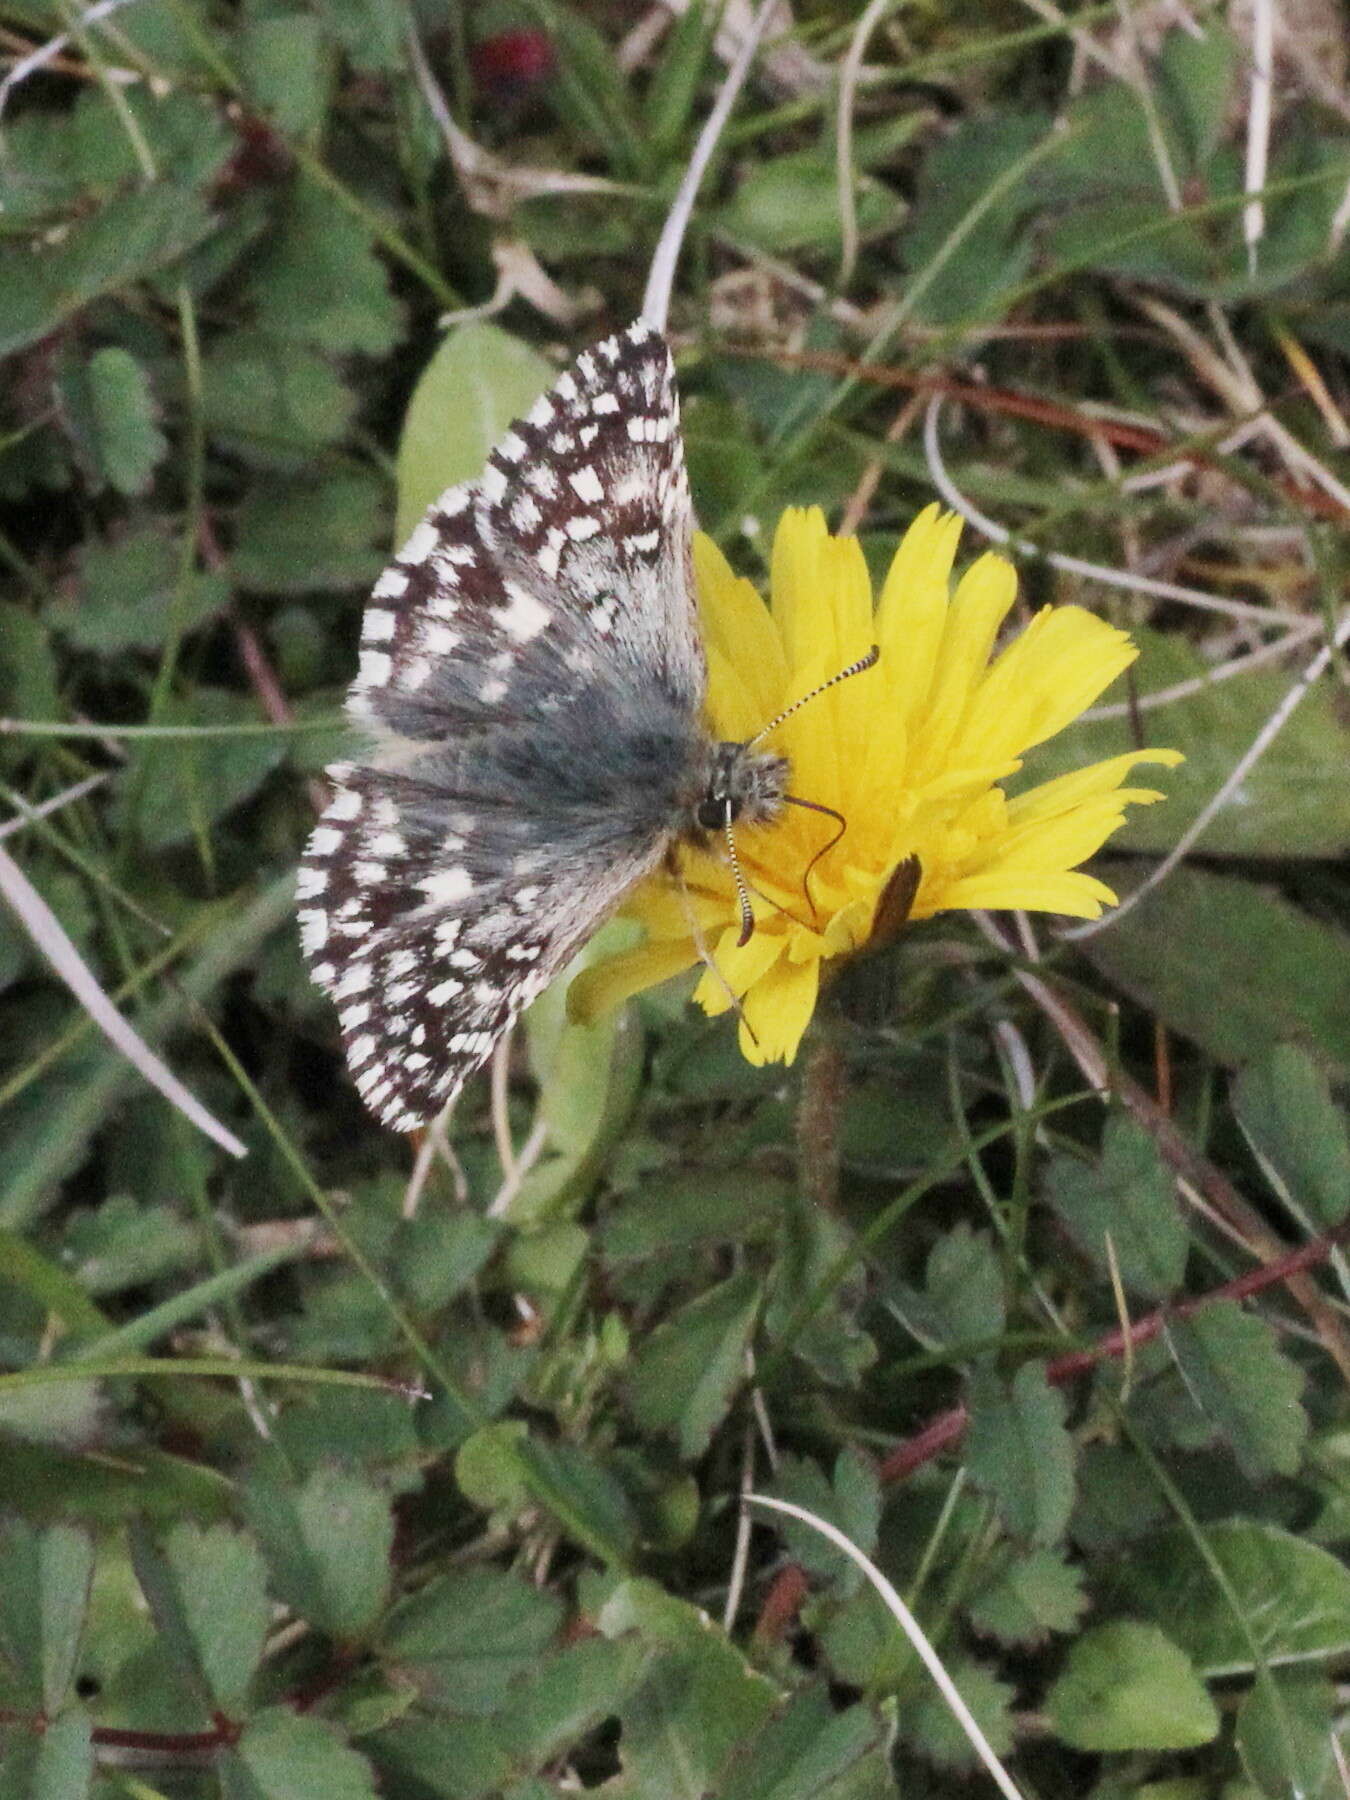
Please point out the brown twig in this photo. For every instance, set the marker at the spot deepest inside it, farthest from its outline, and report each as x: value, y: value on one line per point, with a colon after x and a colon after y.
x: 1010, y: 403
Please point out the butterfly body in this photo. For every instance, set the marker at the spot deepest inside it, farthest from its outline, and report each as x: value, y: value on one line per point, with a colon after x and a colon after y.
x: 530, y: 707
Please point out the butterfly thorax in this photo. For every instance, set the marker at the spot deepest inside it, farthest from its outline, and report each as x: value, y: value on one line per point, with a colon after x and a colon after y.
x: 733, y: 784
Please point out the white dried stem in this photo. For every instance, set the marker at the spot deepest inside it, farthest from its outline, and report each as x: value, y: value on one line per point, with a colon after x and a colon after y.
x: 1258, y: 125
x: 1072, y: 565
x: 849, y: 71
x: 905, y: 1619
x: 661, y: 280
x: 49, y: 936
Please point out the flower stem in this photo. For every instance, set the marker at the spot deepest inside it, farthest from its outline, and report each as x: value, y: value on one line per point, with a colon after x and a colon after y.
x: 820, y: 1111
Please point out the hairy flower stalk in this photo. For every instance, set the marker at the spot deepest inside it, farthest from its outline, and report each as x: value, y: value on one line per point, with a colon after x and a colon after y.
x: 911, y: 754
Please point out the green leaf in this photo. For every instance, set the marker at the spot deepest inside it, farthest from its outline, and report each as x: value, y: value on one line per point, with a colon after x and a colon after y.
x: 954, y: 178
x: 1019, y: 1452
x: 488, y: 1468
x: 1229, y: 964
x: 1284, y: 1733
x: 28, y: 687
x: 669, y: 1214
x: 1129, y: 1198
x: 1283, y: 1104
x: 272, y: 402
x: 317, y: 279
x: 567, y: 1696
x: 111, y: 414
x: 1237, y: 1374
x: 369, y: 32
x: 1293, y: 1597
x: 67, y: 1484
x: 791, y: 202
x: 327, y: 1544
x: 183, y: 786
x: 698, y: 1703
x: 282, y: 65
x: 1031, y: 1597
x: 58, y: 1765
x: 1127, y: 1686
x: 133, y: 236
x: 67, y: 1416
x: 1292, y: 803
x: 673, y: 90
x: 851, y: 1502
x: 963, y: 1291
x: 129, y: 597
x: 684, y: 1376
x: 479, y: 381
x: 122, y: 1244
x: 207, y: 1591
x: 581, y: 1494
x: 929, y: 1725
x: 589, y: 89
x: 303, y: 536
x: 284, y: 1755
x: 448, y: 1759
x: 589, y: 1077
x: 468, y: 1635
x: 44, y: 1595
x: 811, y: 1752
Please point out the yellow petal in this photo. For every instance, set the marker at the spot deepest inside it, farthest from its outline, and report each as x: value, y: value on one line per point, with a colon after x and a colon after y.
x: 799, y: 604
x: 1066, y: 791
x: 982, y: 600
x: 739, y: 629
x: 1073, y: 893
x: 912, y: 610
x: 777, y: 1011
x: 1048, y: 675
x: 736, y: 967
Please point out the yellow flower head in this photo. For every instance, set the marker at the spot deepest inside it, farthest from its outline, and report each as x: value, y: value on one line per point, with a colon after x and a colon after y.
x: 910, y: 753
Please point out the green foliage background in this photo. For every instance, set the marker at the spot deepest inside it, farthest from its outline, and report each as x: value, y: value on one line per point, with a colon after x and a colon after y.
x: 310, y: 1486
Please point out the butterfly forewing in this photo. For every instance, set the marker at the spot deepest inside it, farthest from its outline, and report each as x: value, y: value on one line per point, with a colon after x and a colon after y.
x: 531, y: 680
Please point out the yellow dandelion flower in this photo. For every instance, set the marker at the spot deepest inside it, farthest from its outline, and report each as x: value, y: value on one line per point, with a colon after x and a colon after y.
x: 910, y: 753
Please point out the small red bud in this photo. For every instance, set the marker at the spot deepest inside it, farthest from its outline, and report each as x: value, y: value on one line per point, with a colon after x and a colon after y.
x: 508, y: 62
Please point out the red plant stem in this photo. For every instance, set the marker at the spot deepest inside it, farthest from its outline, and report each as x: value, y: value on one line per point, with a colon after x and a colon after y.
x: 170, y: 1743
x: 949, y: 1427
x: 781, y: 1604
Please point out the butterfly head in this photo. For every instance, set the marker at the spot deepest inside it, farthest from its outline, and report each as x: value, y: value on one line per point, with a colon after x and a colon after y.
x: 738, y: 786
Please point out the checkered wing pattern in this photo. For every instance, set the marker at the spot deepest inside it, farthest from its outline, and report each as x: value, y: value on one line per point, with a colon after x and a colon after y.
x: 532, y: 642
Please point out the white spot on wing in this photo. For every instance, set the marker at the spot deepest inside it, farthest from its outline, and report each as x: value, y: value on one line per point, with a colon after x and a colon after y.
x: 586, y: 485
x: 493, y: 483
x: 445, y: 886
x: 373, y: 669
x: 391, y: 585
x: 525, y: 617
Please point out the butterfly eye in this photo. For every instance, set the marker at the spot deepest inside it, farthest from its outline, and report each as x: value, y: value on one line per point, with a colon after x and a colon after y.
x: 712, y: 813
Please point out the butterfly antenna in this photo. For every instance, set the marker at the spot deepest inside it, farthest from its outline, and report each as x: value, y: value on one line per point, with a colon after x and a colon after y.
x: 701, y: 945
x: 816, y: 806
x: 854, y: 668
x: 661, y: 280
x: 742, y: 892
